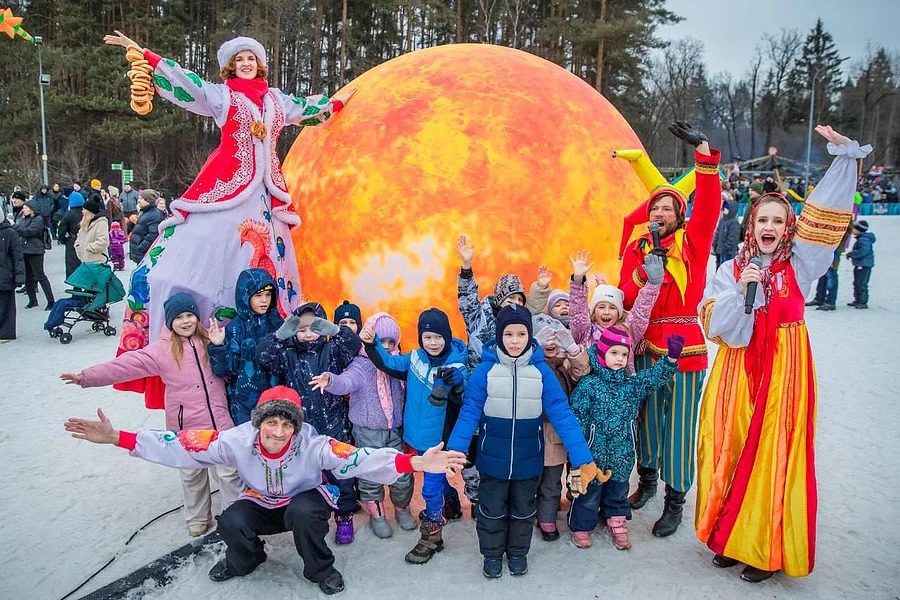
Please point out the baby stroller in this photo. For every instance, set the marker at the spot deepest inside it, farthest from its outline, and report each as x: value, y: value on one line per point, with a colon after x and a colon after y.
x: 94, y: 288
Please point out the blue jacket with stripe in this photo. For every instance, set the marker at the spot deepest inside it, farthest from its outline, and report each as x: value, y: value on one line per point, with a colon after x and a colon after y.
x: 506, y: 398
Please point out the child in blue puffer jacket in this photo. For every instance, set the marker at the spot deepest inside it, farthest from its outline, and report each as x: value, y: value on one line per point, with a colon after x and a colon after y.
x: 506, y: 396
x: 433, y: 374
x: 232, y: 351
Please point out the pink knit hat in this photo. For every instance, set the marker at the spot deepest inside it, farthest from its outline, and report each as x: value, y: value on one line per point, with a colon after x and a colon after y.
x: 386, y: 327
x: 612, y: 336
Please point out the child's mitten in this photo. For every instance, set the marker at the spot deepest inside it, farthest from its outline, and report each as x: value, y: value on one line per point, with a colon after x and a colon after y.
x: 323, y: 327
x: 439, y: 394
x: 289, y: 328
x: 675, y: 344
x: 654, y: 267
x: 567, y: 342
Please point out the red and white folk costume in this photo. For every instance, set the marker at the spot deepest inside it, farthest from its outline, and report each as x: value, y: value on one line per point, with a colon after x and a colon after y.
x: 237, y: 213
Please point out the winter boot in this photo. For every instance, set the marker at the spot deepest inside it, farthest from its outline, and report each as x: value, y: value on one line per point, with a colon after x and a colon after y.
x: 671, y: 517
x: 452, y: 507
x: 332, y: 584
x: 754, y: 575
x: 619, y: 532
x: 582, y: 539
x: 405, y: 519
x: 493, y: 568
x: 647, y: 482
x: 377, y: 521
x: 198, y: 529
x: 549, y: 532
x: 344, y: 532
x: 518, y: 565
x: 827, y: 307
x: 428, y: 545
x: 220, y: 572
x: 723, y: 562
x: 813, y: 303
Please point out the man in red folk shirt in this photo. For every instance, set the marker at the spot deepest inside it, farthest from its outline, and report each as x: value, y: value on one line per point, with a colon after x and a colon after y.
x: 667, y: 422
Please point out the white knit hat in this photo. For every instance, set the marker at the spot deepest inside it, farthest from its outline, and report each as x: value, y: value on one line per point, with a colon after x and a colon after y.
x: 608, y: 293
x: 238, y: 44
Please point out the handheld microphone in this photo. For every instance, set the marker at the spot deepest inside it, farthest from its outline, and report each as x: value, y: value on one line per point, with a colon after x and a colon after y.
x: 751, y: 288
x: 654, y: 232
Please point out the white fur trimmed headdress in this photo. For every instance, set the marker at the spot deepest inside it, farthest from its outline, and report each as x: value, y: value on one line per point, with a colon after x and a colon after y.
x: 238, y: 44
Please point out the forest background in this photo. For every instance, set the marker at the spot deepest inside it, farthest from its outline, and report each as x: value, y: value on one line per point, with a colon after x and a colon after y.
x: 317, y: 46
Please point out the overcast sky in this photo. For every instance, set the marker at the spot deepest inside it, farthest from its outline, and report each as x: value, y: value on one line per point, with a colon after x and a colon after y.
x: 730, y: 31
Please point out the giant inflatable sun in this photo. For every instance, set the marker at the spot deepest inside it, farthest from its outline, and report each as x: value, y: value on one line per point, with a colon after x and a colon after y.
x: 487, y: 141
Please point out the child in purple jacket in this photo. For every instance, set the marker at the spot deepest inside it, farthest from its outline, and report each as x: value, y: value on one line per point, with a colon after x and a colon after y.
x: 117, y: 246
x: 376, y: 412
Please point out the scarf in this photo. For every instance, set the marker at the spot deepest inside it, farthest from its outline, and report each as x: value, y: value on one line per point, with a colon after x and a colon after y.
x: 254, y: 89
x: 761, y: 351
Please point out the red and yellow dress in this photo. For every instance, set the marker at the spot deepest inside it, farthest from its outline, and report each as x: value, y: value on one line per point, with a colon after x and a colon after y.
x: 756, y: 481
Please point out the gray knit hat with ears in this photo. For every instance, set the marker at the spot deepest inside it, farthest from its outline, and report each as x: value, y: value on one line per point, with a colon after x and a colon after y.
x: 506, y: 286
x: 239, y: 44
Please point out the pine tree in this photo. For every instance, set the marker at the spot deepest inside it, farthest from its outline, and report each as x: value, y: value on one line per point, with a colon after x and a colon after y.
x: 819, y: 63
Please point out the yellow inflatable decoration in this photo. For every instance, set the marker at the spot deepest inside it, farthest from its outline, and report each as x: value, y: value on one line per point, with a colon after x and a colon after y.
x: 650, y: 175
x: 487, y: 141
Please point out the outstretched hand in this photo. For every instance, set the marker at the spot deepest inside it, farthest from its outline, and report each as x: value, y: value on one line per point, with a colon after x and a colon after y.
x: 466, y: 251
x: 98, y: 432
x: 367, y: 335
x: 320, y: 382
x: 71, y: 378
x: 119, y: 39
x: 832, y: 136
x: 580, y: 265
x: 216, y: 333
x: 544, y: 276
x: 436, y: 460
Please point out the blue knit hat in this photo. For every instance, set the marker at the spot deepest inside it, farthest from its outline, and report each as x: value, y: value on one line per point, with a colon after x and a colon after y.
x: 177, y: 304
x: 513, y: 314
x: 76, y: 200
x: 348, y: 311
x: 435, y: 320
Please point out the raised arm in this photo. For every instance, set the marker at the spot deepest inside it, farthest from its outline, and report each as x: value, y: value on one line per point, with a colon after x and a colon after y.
x: 395, y: 365
x: 539, y: 292
x: 828, y: 210
x: 180, y: 86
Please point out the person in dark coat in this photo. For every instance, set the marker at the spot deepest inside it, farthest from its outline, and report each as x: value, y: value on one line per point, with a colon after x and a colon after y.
x: 727, y: 237
x: 62, y: 205
x: 17, y: 200
x: 56, y: 215
x: 69, y: 226
x: 12, y: 274
x: 863, y: 257
x: 232, y: 351
x: 44, y: 202
x: 147, y: 227
x: 30, y: 228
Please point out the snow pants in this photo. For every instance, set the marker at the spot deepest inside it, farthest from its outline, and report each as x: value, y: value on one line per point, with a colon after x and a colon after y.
x: 609, y: 499
x: 402, y: 489
x: 505, y: 517
x: 549, y: 494
x: 195, y: 488
x: 306, y: 516
x: 667, y: 426
x: 861, y: 277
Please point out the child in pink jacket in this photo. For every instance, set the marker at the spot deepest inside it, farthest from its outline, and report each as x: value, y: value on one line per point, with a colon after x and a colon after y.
x: 195, y: 398
x: 606, y: 309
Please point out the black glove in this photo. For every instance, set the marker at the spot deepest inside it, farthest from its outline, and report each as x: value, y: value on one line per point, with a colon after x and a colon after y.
x: 439, y: 394
x: 687, y: 132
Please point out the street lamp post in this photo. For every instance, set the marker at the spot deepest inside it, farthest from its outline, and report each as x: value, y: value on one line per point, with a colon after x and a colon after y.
x: 38, y: 41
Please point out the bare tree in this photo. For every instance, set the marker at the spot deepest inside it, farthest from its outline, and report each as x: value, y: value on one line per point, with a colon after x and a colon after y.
x: 782, y: 52
x: 754, y: 84
x: 73, y: 162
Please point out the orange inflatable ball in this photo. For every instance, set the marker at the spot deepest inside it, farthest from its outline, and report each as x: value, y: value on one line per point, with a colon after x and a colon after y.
x: 494, y: 143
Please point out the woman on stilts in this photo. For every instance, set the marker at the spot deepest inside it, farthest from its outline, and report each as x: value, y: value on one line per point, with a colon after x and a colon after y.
x: 756, y: 492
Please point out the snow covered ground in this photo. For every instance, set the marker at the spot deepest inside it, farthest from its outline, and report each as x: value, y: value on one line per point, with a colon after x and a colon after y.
x: 69, y: 506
